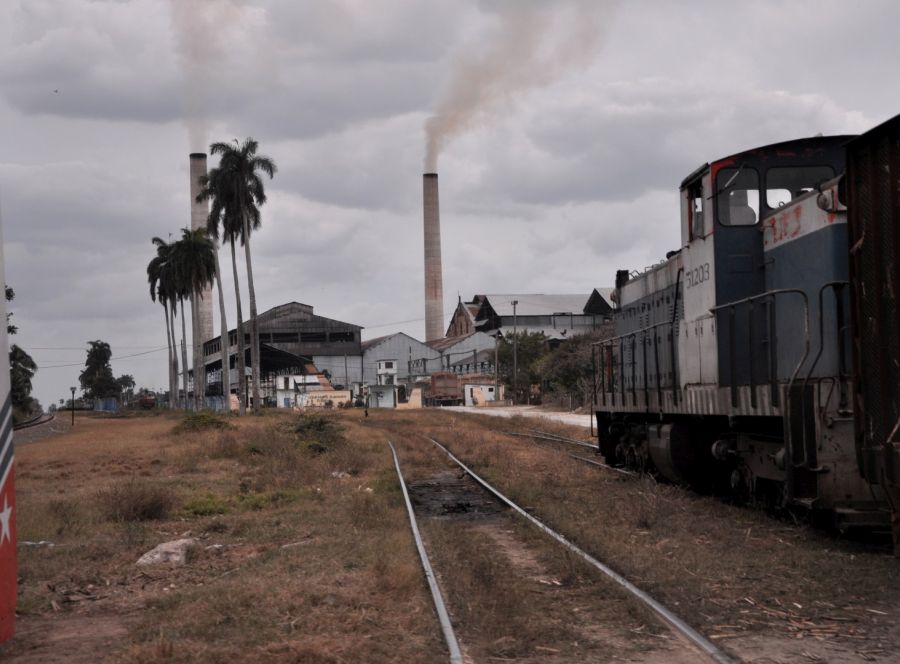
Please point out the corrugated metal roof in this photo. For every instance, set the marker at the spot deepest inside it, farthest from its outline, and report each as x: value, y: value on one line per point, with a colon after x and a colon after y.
x: 446, y: 342
x: 605, y: 292
x: 538, y: 304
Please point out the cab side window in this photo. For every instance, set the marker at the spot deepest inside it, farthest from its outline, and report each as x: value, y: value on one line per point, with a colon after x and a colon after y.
x: 737, y: 197
x: 695, y: 210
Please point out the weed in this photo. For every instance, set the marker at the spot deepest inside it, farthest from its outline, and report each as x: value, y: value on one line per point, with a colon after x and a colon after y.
x: 206, y: 505
x: 135, y: 500
x: 317, y: 433
x: 66, y: 513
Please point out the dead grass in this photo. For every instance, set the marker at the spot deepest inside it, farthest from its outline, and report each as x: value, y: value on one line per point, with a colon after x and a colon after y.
x: 134, y: 500
x: 309, y: 554
x: 715, y: 564
x: 312, y: 560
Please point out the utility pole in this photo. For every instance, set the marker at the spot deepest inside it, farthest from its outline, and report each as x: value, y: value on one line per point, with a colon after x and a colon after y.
x: 73, y: 405
x: 496, y: 366
x: 515, y: 354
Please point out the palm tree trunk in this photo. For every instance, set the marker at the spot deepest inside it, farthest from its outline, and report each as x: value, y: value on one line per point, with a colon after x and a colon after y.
x: 169, y: 345
x: 197, y: 354
x: 241, y: 363
x: 254, y: 329
x: 226, y: 377
x: 184, y: 364
x: 173, y: 377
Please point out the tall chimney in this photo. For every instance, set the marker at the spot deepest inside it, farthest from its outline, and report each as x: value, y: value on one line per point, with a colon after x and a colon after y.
x: 199, y: 211
x: 434, y: 287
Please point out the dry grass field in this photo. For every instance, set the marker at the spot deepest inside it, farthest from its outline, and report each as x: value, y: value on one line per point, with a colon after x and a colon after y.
x: 303, y: 552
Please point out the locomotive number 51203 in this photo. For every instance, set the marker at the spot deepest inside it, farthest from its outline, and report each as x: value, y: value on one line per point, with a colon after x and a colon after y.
x: 697, y: 276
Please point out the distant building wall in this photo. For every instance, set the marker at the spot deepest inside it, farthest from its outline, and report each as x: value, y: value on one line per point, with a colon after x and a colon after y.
x: 406, y: 351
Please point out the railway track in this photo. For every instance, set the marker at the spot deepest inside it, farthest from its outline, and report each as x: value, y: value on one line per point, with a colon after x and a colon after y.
x: 697, y: 643
x: 536, y: 434
x: 43, y: 418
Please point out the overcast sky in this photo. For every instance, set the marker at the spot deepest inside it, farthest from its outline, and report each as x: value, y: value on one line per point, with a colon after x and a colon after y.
x: 556, y: 183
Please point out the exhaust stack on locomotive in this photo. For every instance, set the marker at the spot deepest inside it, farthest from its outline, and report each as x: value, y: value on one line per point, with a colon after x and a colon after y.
x: 434, y: 288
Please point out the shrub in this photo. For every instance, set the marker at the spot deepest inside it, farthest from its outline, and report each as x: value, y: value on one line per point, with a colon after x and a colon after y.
x: 317, y: 433
x: 202, y: 421
x: 135, y: 500
x: 207, y: 505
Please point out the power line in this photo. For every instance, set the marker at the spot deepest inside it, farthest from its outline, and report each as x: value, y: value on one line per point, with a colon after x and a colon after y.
x: 120, y: 357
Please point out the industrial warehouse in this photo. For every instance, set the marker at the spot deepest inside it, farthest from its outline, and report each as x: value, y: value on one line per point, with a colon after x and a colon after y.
x: 302, y: 352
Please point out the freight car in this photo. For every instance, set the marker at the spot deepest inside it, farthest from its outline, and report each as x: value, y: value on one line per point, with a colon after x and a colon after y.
x: 747, y: 360
x: 444, y: 389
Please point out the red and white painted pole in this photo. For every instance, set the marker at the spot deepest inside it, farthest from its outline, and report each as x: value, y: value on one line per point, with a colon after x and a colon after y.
x: 7, y: 487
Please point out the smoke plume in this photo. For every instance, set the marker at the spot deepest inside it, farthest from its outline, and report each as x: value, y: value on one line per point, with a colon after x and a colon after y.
x: 533, y: 45
x: 201, y: 28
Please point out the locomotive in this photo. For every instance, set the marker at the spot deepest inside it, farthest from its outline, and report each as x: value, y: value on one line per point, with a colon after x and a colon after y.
x: 762, y: 358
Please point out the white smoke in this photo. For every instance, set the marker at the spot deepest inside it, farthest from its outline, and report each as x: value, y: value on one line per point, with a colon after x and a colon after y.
x: 201, y: 28
x: 534, y: 44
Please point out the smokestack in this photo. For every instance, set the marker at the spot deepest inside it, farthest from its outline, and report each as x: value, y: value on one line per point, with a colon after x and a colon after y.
x: 434, y: 287
x: 199, y: 212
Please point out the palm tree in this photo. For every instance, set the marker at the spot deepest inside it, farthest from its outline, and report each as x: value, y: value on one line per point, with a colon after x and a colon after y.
x: 220, y: 214
x: 162, y: 286
x: 194, y: 262
x: 238, y: 192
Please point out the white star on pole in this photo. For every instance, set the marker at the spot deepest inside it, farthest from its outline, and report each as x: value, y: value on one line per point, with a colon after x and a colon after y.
x: 4, y: 522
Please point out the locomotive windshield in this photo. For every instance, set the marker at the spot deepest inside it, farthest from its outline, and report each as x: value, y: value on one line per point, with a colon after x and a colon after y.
x: 738, y: 190
x: 787, y: 183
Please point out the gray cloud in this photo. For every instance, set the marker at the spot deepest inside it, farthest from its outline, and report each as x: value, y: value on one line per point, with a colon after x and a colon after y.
x: 556, y: 192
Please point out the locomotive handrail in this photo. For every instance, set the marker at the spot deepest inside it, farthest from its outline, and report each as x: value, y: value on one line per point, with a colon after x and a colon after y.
x: 609, y: 341
x: 788, y: 443
x: 809, y: 451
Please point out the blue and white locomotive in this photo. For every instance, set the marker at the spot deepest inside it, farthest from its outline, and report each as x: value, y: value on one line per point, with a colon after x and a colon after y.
x: 734, y: 362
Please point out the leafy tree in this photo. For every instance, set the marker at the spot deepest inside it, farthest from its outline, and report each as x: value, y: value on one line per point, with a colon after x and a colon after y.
x: 568, y: 369
x: 97, y: 379
x: 195, y: 268
x: 126, y: 384
x: 10, y: 294
x: 530, y: 348
x: 21, y: 370
x: 237, y: 193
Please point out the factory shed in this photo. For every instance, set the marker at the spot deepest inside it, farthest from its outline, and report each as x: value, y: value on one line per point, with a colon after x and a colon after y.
x: 411, y: 359
x: 557, y: 316
x: 468, y: 353
x: 291, y: 335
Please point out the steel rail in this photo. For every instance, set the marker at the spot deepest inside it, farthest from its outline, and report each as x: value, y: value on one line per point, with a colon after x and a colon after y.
x: 439, y: 606
x: 676, y: 623
x: 553, y: 438
x: 600, y: 464
x: 562, y: 439
x: 35, y: 421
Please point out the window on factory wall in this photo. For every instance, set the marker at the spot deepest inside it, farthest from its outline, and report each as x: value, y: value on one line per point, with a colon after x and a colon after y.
x: 341, y: 336
x: 284, y: 337
x: 287, y: 383
x: 313, y: 337
x: 388, y: 365
x: 787, y: 183
x: 737, y: 197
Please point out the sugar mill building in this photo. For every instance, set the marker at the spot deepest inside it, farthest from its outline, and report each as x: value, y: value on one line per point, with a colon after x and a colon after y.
x: 294, y: 340
x: 558, y: 316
